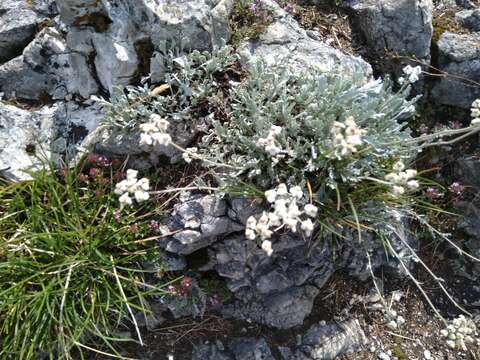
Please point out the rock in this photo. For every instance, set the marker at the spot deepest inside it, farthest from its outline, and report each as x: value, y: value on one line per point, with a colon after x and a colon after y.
x: 459, y: 56
x: 470, y: 19
x: 24, y: 140
x: 394, y: 27
x: 281, y: 310
x: 250, y: 348
x: 122, y: 36
x: 19, y: 20
x: 47, y: 69
x: 466, y: 4
x: 326, y: 341
x: 467, y: 171
x: 198, y: 222
x: 285, y: 38
x: 238, y: 349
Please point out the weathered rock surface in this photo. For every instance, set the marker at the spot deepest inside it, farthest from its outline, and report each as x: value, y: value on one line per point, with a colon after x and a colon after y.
x: 326, y: 341
x: 19, y: 20
x: 277, y: 290
x: 469, y: 19
x: 394, y: 27
x: 121, y: 36
x: 238, y: 349
x: 47, y: 68
x: 24, y: 140
x: 284, y: 38
x: 459, y: 56
x: 198, y: 222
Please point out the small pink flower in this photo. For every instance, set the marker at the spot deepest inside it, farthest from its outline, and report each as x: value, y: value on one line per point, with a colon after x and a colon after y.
x: 92, y: 158
x: 153, y: 225
x: 133, y: 229
x: 455, y: 124
x: 456, y: 188
x: 94, y: 172
x: 117, y: 214
x: 82, y: 178
x: 433, y: 193
x: 290, y: 8
x: 186, y: 282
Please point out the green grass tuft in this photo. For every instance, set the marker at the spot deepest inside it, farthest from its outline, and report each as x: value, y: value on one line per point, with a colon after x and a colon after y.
x: 70, y: 273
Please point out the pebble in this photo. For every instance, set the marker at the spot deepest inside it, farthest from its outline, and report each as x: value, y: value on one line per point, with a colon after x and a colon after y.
x: 383, y: 356
x: 427, y: 354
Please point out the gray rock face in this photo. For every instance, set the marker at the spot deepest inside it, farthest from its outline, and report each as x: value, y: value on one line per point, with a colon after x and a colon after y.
x: 467, y: 171
x: 399, y: 27
x: 18, y: 24
x: 284, y: 38
x: 469, y: 19
x: 277, y: 290
x: 326, y: 341
x: 121, y: 35
x: 238, y: 349
x: 24, y: 139
x: 459, y: 55
x: 197, y: 223
x: 47, y: 68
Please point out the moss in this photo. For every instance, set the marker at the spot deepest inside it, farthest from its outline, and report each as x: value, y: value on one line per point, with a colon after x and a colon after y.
x: 100, y: 22
x: 246, y: 24
x: 397, y: 350
x: 445, y: 23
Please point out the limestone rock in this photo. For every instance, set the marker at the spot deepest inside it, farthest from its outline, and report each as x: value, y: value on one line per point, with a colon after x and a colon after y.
x: 285, y: 38
x: 19, y: 20
x: 469, y: 19
x: 198, y: 222
x: 47, y: 69
x: 327, y: 341
x: 399, y: 27
x: 24, y: 140
x: 458, y: 55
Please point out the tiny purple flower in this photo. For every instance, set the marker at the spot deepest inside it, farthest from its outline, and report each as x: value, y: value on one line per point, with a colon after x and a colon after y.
x: 290, y: 8
x: 456, y: 188
x: 253, y: 6
x: 117, y: 214
x: 455, y: 125
x: 433, y: 193
x: 153, y: 225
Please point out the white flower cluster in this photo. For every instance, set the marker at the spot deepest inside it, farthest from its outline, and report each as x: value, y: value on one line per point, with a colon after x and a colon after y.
x: 285, y: 213
x: 346, y: 137
x: 133, y: 186
x: 475, y: 112
x: 269, y: 143
x: 412, y: 74
x: 459, y: 333
x: 154, y: 132
x: 189, y: 154
x: 401, y: 178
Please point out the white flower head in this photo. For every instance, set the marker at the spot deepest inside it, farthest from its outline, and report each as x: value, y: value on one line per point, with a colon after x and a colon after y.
x: 398, y: 190
x: 413, y: 184
x: 296, y: 191
x: 141, y: 196
x: 412, y: 73
x: 161, y: 139
x: 125, y: 200
x: 250, y: 234
x: 307, y: 226
x: 398, y: 166
x: 132, y: 175
x: 251, y: 222
x: 282, y: 190
x: 267, y: 247
x: 271, y: 195
x: 145, y: 139
x: 311, y: 210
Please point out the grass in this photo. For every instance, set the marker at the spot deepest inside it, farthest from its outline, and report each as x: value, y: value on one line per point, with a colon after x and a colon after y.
x: 71, y: 274
x: 246, y: 24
